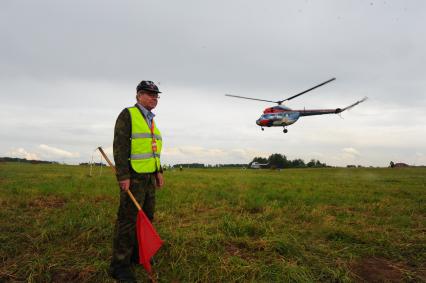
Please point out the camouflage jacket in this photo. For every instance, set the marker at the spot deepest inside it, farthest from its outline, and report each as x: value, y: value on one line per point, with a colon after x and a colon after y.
x: 122, y: 145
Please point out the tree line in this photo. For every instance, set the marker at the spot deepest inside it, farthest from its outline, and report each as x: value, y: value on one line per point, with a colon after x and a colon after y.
x: 274, y: 161
x: 201, y: 165
x: 23, y: 160
x: 278, y: 160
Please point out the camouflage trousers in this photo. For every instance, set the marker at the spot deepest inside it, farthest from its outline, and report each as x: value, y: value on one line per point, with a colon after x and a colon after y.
x: 125, y: 246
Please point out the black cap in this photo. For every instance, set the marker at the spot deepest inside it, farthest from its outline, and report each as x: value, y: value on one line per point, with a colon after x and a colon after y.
x: 148, y: 86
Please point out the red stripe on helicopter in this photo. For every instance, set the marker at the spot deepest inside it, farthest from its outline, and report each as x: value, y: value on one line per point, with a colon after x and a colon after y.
x: 264, y: 122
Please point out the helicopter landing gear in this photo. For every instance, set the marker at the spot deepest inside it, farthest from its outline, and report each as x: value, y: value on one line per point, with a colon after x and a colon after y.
x: 262, y: 128
x: 285, y: 130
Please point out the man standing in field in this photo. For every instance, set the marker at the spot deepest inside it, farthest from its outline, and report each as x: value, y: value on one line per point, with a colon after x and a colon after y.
x: 137, y: 147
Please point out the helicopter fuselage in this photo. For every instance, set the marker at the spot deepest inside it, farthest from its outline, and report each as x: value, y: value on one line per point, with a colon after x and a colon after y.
x: 278, y: 116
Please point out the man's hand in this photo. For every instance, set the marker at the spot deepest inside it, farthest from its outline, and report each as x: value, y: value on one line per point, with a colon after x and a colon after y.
x: 159, y: 180
x: 124, y: 185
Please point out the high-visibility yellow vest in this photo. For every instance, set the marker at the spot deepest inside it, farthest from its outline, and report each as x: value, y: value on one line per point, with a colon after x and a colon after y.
x: 145, y: 146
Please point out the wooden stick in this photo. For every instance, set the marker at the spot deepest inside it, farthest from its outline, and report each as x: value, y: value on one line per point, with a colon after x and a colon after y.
x: 115, y: 171
x: 134, y: 200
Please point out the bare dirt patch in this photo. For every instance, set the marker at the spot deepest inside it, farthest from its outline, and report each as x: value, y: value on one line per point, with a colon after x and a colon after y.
x: 254, y: 210
x: 47, y: 202
x: 238, y: 249
x: 65, y: 276
x: 101, y: 198
x: 377, y: 270
x: 244, y: 250
x: 84, y: 275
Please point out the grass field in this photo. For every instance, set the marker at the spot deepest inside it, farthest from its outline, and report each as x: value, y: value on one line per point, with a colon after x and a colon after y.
x: 295, y: 225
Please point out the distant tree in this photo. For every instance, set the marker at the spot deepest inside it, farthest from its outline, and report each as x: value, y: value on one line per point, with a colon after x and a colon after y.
x: 278, y: 160
x: 298, y: 163
x: 233, y: 165
x: 315, y: 163
x: 14, y: 159
x: 392, y: 164
x: 319, y: 164
x: 260, y: 160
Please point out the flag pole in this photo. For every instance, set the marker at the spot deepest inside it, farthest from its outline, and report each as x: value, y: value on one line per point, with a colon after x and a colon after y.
x: 115, y: 171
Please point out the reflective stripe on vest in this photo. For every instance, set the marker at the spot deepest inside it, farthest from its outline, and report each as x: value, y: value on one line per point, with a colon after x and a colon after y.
x: 142, y: 157
x: 141, y: 136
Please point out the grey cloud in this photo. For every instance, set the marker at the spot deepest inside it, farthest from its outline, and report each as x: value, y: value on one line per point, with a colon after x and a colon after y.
x: 188, y: 42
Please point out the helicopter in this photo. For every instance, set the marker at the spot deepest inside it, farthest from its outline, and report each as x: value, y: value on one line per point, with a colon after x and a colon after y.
x: 283, y: 116
x: 257, y: 165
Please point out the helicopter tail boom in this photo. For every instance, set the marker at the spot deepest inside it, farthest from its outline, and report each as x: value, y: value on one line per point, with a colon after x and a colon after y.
x: 311, y: 112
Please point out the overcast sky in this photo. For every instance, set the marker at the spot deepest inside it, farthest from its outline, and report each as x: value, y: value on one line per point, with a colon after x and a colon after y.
x: 67, y: 68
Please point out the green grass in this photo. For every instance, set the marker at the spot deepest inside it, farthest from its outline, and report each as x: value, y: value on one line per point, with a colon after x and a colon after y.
x: 295, y: 225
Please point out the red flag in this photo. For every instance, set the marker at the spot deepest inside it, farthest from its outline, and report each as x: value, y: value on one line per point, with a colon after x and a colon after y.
x: 149, y: 241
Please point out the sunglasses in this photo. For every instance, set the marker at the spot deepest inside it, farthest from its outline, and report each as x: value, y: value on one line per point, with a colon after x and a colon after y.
x: 152, y: 95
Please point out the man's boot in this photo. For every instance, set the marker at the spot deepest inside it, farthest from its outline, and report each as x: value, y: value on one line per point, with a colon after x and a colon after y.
x: 123, y: 274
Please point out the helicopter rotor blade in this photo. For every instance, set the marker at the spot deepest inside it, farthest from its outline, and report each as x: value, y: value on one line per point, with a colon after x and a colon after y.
x: 352, y: 105
x: 303, y: 92
x: 237, y: 96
